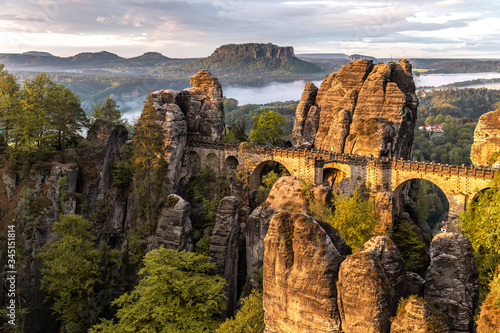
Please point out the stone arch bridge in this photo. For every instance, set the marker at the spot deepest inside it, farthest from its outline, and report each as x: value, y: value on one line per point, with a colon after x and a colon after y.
x: 460, y: 184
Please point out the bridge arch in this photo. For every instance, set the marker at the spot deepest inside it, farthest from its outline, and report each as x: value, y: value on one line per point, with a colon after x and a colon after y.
x: 263, y: 168
x: 212, y: 162
x: 193, y: 161
x: 231, y: 162
x: 437, y: 194
x: 333, y: 176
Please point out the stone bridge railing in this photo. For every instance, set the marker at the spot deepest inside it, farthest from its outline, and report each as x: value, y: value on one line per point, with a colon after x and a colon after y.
x: 352, y: 159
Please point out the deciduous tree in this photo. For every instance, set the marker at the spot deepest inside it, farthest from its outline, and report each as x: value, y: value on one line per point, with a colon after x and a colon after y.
x: 177, y: 294
x: 75, y: 273
x: 267, y: 128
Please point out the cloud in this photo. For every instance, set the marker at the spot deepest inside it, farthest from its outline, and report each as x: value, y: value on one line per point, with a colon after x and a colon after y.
x: 194, y: 28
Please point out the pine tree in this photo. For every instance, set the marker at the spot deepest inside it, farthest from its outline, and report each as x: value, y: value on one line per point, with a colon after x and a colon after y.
x: 9, y: 103
x: 108, y: 111
x: 149, y: 159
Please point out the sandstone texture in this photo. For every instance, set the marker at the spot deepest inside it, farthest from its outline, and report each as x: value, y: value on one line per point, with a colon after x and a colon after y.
x: 415, y: 316
x: 10, y: 184
x: 306, y: 120
x: 197, y: 113
x: 370, y: 283
x: 363, y: 109
x: 173, y: 122
x: 486, y: 139
x: 301, y: 264
x: 174, y: 229
x: 203, y: 108
x: 452, y: 284
x: 285, y: 195
x: 224, y: 249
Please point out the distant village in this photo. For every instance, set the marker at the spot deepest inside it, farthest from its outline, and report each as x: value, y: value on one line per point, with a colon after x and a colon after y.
x: 432, y: 128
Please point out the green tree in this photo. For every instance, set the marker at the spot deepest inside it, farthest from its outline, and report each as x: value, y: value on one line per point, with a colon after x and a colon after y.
x: 429, y: 120
x: 230, y: 104
x: 267, y: 128
x: 32, y: 124
x: 177, y: 294
x: 489, y: 318
x: 149, y: 161
x: 439, y: 119
x: 9, y: 102
x: 108, y: 111
x: 249, y: 319
x: 480, y: 224
x: 236, y: 131
x: 355, y: 217
x: 76, y: 274
x: 409, y: 244
x: 67, y: 117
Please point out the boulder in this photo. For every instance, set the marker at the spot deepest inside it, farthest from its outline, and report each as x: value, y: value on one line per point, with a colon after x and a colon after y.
x: 224, y: 249
x: 371, y: 281
x: 365, y: 298
x: 416, y: 316
x: 486, y: 139
x: 452, y: 284
x: 301, y: 265
x: 174, y: 228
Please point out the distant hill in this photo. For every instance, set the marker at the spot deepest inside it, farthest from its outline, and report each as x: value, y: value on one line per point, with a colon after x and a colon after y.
x: 451, y: 65
x: 252, y: 59
x: 34, y: 60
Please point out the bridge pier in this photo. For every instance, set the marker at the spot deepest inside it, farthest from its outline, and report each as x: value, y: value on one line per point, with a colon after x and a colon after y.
x: 319, y: 165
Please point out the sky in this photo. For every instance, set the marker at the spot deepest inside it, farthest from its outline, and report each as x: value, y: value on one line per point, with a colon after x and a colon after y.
x: 195, y: 28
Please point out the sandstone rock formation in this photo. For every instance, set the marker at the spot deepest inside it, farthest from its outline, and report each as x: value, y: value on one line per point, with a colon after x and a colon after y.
x: 489, y: 317
x: 173, y: 122
x: 285, y: 195
x: 174, y: 229
x: 10, y: 184
x: 486, y: 139
x: 416, y: 316
x: 111, y: 138
x: 301, y: 265
x: 452, y: 283
x: 197, y: 113
x: 306, y: 118
x: 369, y: 285
x: 203, y: 108
x: 363, y: 109
x: 224, y: 249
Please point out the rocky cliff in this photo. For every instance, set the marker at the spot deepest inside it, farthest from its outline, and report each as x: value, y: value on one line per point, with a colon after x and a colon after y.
x: 486, y: 139
x: 362, y: 109
x: 197, y: 113
x: 301, y: 265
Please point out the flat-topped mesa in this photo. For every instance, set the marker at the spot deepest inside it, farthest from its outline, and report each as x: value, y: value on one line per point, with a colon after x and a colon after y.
x: 257, y: 51
x: 486, y: 140
x: 362, y: 109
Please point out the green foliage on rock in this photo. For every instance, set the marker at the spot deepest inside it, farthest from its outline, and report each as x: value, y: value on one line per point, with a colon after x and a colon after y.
x: 480, y: 224
x: 108, y: 111
x: 76, y: 275
x: 249, y: 319
x: 267, y: 128
x: 489, y: 318
x: 409, y: 244
x: 177, y: 294
x: 355, y: 217
x: 236, y: 131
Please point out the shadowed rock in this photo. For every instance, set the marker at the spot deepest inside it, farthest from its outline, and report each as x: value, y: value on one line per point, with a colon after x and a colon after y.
x: 224, y: 249
x: 452, y: 280
x: 301, y: 265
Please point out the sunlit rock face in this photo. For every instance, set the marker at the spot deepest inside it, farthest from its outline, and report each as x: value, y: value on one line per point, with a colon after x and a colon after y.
x: 197, y: 113
x: 370, y: 283
x: 452, y: 283
x: 416, y: 316
x: 362, y: 109
x: 301, y: 265
x: 486, y: 139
